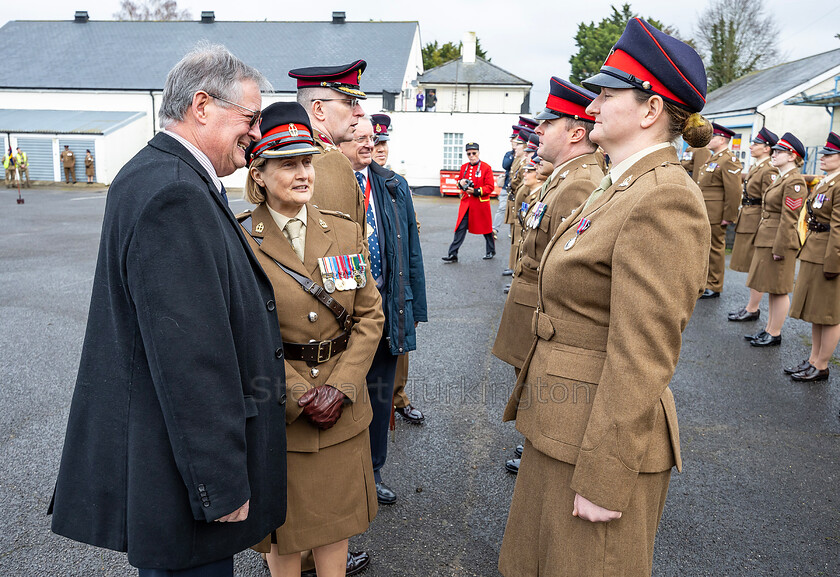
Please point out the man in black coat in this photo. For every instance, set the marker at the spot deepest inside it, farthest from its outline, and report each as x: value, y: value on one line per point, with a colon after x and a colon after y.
x: 175, y: 447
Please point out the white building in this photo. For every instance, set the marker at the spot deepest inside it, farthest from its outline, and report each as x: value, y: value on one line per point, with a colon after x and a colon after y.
x: 800, y: 97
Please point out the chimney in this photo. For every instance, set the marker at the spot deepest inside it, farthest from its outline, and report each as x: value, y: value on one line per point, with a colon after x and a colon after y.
x: 81, y: 17
x: 468, y: 48
x: 208, y: 17
x: 339, y: 17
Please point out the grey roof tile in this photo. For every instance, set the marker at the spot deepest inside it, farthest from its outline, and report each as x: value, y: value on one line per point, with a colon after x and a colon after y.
x: 65, y: 121
x: 482, y: 72
x: 113, y: 55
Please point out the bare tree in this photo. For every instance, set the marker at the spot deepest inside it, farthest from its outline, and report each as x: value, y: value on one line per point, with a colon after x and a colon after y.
x: 151, y: 10
x: 736, y: 37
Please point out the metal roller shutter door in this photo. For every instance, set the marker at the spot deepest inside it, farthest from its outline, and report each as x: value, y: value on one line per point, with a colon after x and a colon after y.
x: 79, y: 147
x: 39, y: 153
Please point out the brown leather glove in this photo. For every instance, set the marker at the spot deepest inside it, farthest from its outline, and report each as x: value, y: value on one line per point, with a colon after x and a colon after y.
x: 830, y: 275
x: 322, y: 405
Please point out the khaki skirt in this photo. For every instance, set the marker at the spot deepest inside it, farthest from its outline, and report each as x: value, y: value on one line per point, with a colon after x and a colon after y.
x: 543, y: 539
x: 815, y: 299
x: 331, y: 496
x: 742, y: 252
x: 770, y: 276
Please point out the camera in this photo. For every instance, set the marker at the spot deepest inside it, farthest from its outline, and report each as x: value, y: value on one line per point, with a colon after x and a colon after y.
x: 466, y: 183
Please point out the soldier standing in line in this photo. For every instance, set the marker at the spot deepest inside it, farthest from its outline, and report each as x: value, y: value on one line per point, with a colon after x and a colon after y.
x: 23, y: 167
x: 514, y: 182
x: 761, y: 175
x: 696, y: 158
x: 564, y: 142
x: 720, y: 182
x: 517, y: 189
x: 68, y: 161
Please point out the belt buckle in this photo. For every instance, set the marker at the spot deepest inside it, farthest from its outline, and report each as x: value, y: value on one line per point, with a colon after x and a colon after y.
x: 323, y: 359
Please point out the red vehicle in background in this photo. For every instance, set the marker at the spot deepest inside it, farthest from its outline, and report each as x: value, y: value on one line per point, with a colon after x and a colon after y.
x: 449, y: 183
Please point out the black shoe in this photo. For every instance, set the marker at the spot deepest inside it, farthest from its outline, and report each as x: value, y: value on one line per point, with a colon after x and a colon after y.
x: 810, y: 375
x: 488, y: 256
x: 757, y: 335
x: 512, y: 466
x: 356, y: 563
x: 803, y: 366
x: 507, y: 272
x: 410, y: 414
x: 518, y: 451
x: 744, y: 315
x: 507, y: 289
x: 450, y: 258
x: 385, y: 495
x: 709, y: 294
x: 767, y: 340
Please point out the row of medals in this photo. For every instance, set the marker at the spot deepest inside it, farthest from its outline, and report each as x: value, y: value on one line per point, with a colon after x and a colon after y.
x: 344, y: 272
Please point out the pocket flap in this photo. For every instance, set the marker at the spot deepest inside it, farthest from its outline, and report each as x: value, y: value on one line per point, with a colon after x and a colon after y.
x: 251, y: 409
x: 576, y: 364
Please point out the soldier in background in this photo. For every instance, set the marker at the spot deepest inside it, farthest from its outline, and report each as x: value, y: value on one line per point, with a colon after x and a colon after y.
x: 720, y: 181
x: 89, y: 170
x: 9, y: 166
x: 68, y: 161
x: 22, y: 167
x: 693, y: 161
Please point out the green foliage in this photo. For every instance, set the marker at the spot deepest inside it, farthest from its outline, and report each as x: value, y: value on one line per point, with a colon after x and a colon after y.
x: 435, y: 55
x: 594, y: 41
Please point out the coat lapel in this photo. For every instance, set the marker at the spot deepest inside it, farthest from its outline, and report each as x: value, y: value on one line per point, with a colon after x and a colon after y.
x: 275, y: 244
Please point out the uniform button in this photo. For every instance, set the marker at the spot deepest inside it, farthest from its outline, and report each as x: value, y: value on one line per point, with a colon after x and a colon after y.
x: 206, y: 503
x: 401, y: 311
x: 400, y: 273
x: 398, y: 236
x: 312, y: 316
x: 270, y: 306
x: 278, y: 353
x: 401, y: 349
x: 314, y: 372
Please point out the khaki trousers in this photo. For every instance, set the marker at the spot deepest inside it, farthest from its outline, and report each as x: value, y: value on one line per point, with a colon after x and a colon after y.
x: 717, y: 258
x: 68, y: 172
x: 23, y: 175
x: 400, y: 397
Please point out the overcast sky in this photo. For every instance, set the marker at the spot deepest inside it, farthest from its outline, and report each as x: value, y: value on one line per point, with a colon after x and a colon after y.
x: 533, y: 40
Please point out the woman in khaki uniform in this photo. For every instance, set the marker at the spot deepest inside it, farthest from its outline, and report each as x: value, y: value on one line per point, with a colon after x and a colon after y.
x: 89, y: 172
x: 592, y: 399
x: 761, y: 175
x: 776, y: 242
x: 816, y: 297
x: 328, y: 340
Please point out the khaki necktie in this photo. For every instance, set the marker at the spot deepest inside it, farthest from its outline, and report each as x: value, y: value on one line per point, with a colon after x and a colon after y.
x: 596, y: 194
x: 293, y: 230
x: 545, y: 186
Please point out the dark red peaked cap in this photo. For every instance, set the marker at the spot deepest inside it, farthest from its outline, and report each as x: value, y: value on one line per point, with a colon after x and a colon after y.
x: 345, y: 79
x: 566, y: 99
x: 720, y: 130
x: 650, y: 60
x: 528, y: 122
x: 790, y: 143
x: 765, y: 136
x: 832, y: 145
x: 524, y: 134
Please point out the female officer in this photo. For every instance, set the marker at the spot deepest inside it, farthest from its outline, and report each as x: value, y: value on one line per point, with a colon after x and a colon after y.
x: 617, y: 285
x: 816, y: 298
x: 330, y: 331
x: 761, y: 175
x: 776, y: 242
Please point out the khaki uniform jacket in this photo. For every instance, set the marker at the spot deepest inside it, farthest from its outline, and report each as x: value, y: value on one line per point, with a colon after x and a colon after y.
x: 68, y: 159
x: 515, y: 183
x: 567, y: 191
x: 779, y: 212
x: 327, y: 234
x: 720, y: 181
x: 336, y: 187
x: 759, y: 178
x: 699, y: 157
x: 612, y: 308
x: 824, y: 247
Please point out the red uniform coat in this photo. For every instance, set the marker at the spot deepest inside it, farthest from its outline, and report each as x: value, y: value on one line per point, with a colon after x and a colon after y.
x: 481, y: 218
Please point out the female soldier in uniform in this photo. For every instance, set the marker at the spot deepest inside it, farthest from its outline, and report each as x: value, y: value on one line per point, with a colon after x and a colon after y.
x: 329, y: 343
x: 761, y: 175
x: 89, y: 172
x: 592, y: 399
x: 776, y: 242
x: 816, y: 298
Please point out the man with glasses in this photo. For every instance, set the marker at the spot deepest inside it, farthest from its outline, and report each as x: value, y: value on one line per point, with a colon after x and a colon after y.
x: 176, y: 449
x: 476, y: 182
x: 330, y: 95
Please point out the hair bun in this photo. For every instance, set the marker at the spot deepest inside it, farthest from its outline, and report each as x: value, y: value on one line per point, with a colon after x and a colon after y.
x: 697, y: 131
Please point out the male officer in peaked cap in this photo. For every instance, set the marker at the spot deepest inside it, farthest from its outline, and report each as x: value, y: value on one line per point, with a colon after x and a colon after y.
x: 720, y: 181
x: 330, y: 95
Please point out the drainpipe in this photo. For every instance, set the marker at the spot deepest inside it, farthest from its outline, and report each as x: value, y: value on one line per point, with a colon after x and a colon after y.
x: 152, y: 95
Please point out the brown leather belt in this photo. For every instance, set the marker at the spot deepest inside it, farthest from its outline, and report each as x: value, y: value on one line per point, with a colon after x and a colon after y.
x: 317, y: 352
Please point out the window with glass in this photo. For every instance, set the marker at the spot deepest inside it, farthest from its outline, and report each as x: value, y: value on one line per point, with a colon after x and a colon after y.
x: 453, y: 150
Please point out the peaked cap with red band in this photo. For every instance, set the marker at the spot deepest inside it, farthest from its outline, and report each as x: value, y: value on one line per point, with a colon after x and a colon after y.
x: 790, y: 143
x: 524, y: 134
x: 381, y: 124
x: 650, y: 60
x: 515, y: 132
x: 346, y: 79
x: 766, y: 137
x: 566, y: 99
x: 285, y: 132
x: 533, y: 143
x: 832, y: 145
x: 528, y: 122
x: 720, y: 130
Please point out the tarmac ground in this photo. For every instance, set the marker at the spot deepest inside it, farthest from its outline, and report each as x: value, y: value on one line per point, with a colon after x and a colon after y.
x: 759, y: 493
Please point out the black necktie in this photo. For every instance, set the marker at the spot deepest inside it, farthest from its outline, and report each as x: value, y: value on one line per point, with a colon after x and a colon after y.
x: 224, y: 196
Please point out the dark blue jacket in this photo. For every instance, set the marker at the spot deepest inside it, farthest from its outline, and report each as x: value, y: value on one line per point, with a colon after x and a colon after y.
x: 404, y: 294
x: 507, y: 162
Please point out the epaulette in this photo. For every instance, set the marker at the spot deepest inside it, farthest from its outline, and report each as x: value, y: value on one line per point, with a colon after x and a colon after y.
x: 243, y: 216
x: 336, y: 213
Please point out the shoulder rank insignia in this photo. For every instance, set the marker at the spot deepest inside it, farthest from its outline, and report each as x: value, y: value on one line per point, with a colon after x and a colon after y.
x: 565, y: 174
x: 259, y: 228
x: 322, y: 223
x: 793, y: 203
x: 736, y: 171
x: 626, y: 181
